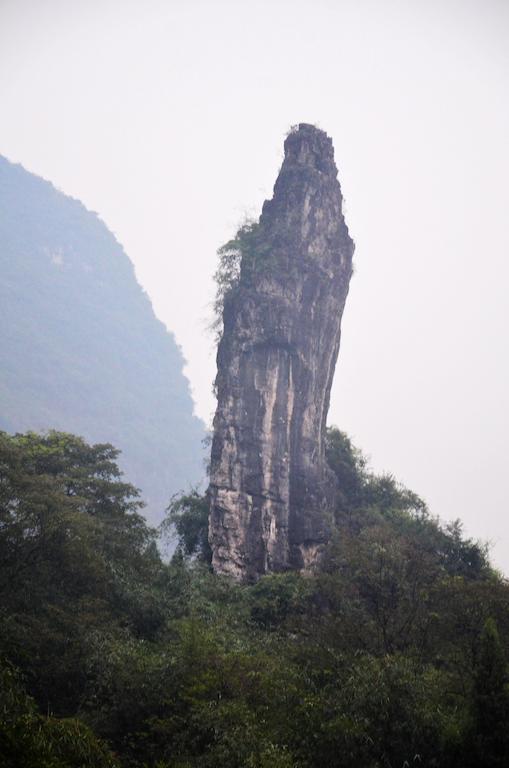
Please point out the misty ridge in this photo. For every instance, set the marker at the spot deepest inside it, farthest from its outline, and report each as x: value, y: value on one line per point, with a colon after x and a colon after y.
x: 314, y: 613
x: 82, y: 350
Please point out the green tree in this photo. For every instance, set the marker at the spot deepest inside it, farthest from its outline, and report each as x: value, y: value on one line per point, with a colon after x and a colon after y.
x: 490, y: 702
x: 359, y: 489
x: 188, y: 517
x: 30, y: 740
x: 75, y: 557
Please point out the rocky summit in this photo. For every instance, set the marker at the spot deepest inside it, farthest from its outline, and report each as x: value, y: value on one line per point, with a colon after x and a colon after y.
x: 271, y: 491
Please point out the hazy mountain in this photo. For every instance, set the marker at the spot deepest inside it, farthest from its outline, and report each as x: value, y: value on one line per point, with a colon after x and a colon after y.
x: 81, y: 349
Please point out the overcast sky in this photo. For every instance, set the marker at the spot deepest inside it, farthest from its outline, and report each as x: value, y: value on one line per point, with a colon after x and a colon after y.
x: 168, y: 119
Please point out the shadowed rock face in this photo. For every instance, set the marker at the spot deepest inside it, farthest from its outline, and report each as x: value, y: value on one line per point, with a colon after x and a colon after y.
x: 270, y: 488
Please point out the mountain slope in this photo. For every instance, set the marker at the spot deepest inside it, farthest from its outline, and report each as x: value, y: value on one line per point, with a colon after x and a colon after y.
x: 80, y: 347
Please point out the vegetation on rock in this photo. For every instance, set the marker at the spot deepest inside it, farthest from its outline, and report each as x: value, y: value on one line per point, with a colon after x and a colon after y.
x: 238, y: 259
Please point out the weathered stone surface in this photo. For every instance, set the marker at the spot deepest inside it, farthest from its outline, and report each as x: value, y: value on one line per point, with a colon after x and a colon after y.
x: 270, y: 489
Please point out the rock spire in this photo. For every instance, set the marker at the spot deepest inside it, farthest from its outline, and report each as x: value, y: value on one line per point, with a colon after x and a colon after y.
x: 271, y: 491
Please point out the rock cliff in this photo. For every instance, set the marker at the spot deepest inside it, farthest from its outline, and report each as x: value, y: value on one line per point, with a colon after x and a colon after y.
x: 270, y: 488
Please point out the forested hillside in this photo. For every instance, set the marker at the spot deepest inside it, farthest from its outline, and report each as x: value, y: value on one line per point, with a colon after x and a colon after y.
x: 393, y: 654
x: 81, y: 348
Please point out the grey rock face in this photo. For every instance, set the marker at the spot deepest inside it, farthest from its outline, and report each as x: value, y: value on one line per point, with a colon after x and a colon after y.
x: 270, y: 489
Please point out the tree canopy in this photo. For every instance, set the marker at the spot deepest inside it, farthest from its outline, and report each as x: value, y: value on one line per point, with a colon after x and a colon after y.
x: 392, y: 653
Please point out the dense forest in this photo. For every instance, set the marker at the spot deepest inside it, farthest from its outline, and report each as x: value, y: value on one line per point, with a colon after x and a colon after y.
x: 81, y: 348
x: 393, y: 653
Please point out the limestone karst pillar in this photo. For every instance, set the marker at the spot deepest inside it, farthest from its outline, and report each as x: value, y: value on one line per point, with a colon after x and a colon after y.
x: 271, y: 491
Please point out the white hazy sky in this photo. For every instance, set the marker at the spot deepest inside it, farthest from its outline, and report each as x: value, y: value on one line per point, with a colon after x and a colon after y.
x: 168, y: 118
